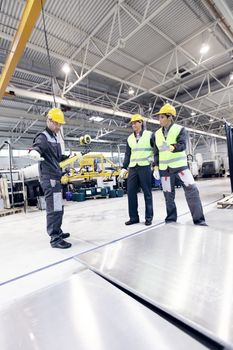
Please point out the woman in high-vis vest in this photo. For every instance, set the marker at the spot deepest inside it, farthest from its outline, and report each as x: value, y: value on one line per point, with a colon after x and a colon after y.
x: 138, y: 158
x: 171, y: 161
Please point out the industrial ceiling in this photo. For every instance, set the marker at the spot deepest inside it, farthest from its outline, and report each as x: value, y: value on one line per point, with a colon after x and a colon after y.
x: 125, y: 57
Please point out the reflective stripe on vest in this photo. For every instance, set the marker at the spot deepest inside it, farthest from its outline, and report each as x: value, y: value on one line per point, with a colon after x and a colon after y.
x: 50, y: 138
x: 141, y: 151
x: 166, y: 157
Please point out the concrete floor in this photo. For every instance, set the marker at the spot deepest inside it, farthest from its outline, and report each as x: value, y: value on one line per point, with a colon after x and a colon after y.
x: 28, y: 263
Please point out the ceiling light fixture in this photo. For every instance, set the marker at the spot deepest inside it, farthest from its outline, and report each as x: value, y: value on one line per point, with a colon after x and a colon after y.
x: 96, y: 118
x: 66, y: 68
x: 211, y: 119
x: 193, y: 113
x: 204, y: 48
x: 231, y: 76
x: 131, y: 91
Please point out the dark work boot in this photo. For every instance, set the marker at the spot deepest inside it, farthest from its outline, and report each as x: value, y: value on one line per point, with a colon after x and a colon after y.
x: 201, y: 223
x: 131, y: 222
x: 65, y: 235
x: 148, y: 222
x: 60, y: 244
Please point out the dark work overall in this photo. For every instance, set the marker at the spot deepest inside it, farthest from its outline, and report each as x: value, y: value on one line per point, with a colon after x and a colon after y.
x: 139, y: 177
x: 50, y: 174
x: 54, y: 207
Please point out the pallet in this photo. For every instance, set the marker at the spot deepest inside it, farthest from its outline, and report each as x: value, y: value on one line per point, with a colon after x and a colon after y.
x: 226, y: 202
x: 6, y: 212
x: 97, y: 196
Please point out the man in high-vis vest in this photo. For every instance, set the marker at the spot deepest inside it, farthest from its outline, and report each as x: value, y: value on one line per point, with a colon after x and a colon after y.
x: 138, y: 158
x: 47, y: 150
x: 171, y: 161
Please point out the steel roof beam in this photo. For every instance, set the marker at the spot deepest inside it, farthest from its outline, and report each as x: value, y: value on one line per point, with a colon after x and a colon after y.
x: 110, y: 76
x: 179, y: 46
x: 221, y: 10
x: 112, y: 50
x: 78, y: 104
x: 30, y: 15
x: 83, y: 34
x: 210, y: 71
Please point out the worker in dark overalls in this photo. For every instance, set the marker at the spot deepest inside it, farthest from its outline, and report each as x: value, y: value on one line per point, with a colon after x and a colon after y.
x: 171, y: 161
x: 47, y: 150
x: 138, y: 159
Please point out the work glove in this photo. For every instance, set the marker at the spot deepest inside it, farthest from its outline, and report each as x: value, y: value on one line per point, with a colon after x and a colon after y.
x: 123, y: 174
x: 171, y: 148
x: 35, y: 155
x: 156, y: 173
x: 164, y: 147
x: 66, y: 171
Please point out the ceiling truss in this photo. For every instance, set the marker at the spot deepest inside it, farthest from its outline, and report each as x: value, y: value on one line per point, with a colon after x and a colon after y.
x: 199, y: 87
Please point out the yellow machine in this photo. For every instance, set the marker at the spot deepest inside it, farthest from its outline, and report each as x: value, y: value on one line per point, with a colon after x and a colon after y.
x: 88, y: 166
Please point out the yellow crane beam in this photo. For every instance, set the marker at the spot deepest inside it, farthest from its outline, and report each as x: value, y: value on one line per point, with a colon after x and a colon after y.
x: 30, y: 15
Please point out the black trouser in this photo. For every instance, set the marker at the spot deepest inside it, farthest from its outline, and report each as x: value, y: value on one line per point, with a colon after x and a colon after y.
x: 54, y: 207
x: 139, y: 176
x: 191, y: 194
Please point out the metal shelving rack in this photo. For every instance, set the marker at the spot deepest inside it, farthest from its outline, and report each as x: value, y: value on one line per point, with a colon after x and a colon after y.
x: 16, y: 188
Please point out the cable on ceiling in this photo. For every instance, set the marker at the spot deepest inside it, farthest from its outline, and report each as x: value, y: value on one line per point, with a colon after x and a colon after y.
x: 48, y: 54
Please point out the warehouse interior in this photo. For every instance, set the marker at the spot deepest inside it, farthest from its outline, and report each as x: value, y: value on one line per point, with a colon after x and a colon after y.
x: 120, y: 287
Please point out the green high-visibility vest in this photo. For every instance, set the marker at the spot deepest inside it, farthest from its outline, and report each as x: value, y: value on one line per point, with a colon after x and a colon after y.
x: 166, y: 157
x: 141, y: 151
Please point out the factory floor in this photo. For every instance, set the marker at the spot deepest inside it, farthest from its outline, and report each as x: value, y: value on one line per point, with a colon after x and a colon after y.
x: 56, y: 299
x: 28, y: 262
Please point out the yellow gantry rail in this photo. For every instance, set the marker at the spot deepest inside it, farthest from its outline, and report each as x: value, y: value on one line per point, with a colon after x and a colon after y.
x: 30, y: 15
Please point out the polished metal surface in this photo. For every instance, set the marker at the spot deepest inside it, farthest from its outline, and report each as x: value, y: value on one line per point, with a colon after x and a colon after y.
x: 87, y: 313
x: 186, y: 270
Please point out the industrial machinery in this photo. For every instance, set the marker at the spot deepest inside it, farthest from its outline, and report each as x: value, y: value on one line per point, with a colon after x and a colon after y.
x: 31, y: 175
x: 81, y: 168
x: 32, y: 185
x: 211, y: 168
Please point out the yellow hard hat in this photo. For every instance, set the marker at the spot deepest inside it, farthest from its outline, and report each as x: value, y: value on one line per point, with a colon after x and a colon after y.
x: 167, y: 109
x: 136, y: 118
x: 56, y: 115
